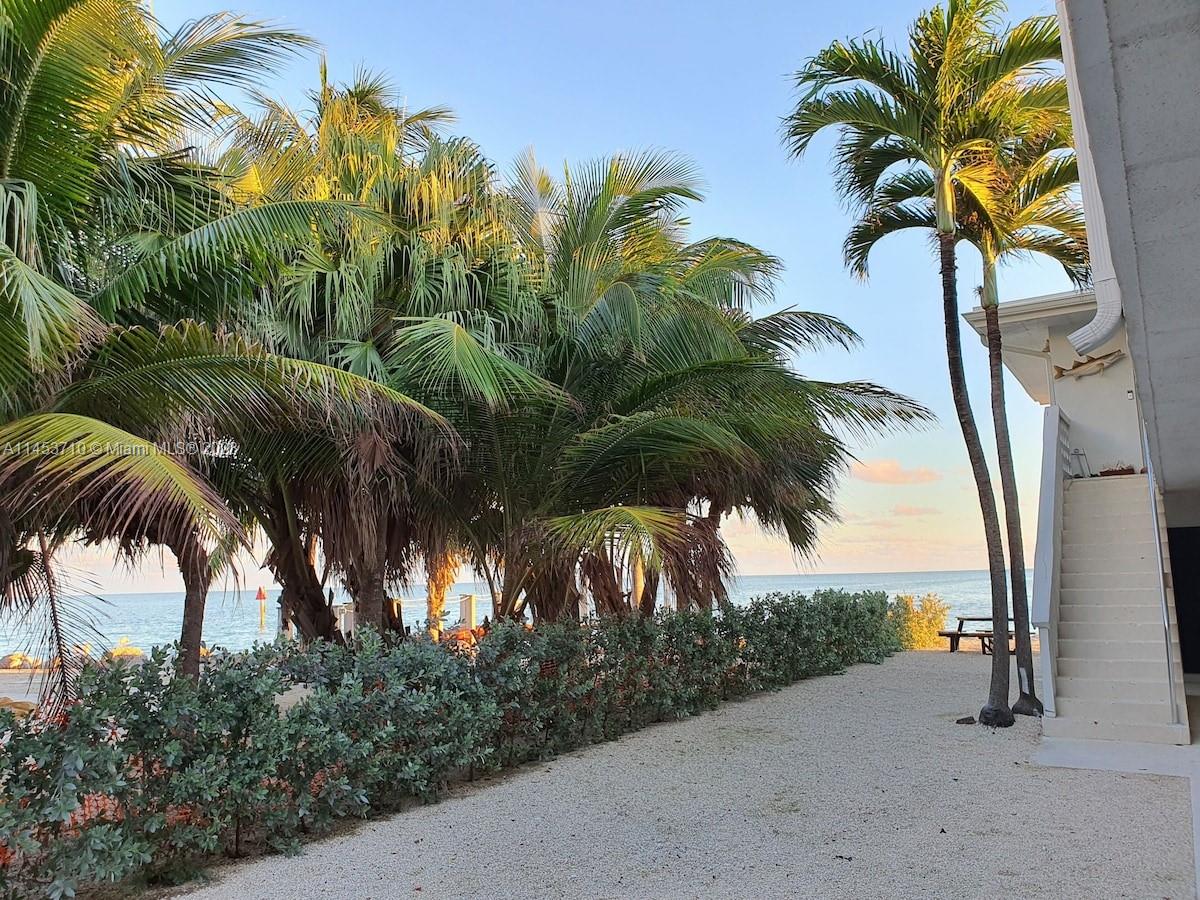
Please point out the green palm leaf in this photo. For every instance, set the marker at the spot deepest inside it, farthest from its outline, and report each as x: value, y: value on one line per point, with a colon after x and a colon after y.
x: 113, y: 482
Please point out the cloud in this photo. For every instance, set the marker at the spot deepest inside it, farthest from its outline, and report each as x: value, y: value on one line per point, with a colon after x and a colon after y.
x: 902, y: 509
x: 889, y: 471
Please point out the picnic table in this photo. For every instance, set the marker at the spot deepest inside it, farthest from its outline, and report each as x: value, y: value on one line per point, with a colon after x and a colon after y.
x: 985, y: 638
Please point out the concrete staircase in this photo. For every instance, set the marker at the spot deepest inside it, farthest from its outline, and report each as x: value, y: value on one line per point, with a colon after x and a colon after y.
x: 1111, y: 663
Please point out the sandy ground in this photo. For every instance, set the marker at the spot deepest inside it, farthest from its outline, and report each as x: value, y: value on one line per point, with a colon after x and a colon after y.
x: 856, y: 786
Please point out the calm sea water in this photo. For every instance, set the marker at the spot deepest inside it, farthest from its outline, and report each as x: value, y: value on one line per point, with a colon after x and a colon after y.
x: 232, y: 619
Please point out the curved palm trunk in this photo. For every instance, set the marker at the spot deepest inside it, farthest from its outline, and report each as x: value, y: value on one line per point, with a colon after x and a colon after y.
x: 197, y: 578
x: 996, y: 712
x: 1027, y: 703
x: 302, y: 598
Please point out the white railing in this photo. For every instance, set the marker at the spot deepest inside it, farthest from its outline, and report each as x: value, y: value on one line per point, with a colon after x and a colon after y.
x: 1152, y: 486
x: 1056, y: 451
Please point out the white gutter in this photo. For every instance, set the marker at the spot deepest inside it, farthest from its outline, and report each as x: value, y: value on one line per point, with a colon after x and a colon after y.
x: 1104, y: 326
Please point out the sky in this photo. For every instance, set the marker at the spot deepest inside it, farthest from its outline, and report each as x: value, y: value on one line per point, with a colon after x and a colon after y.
x: 576, y: 81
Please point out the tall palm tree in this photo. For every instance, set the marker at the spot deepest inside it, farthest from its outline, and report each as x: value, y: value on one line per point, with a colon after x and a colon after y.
x: 967, y: 85
x: 1032, y: 207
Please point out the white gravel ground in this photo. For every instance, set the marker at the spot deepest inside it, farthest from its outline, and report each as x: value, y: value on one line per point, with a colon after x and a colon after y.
x: 857, y: 786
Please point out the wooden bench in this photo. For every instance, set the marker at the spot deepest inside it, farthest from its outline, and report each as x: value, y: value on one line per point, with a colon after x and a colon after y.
x: 986, y: 638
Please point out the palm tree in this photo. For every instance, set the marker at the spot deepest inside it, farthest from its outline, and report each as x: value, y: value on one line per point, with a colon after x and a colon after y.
x: 967, y: 86
x: 108, y: 218
x: 421, y: 301
x: 1032, y: 207
x: 675, y: 405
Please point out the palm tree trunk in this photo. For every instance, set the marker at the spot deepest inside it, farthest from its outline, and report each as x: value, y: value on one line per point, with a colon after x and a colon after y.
x: 1027, y: 703
x: 440, y: 568
x: 59, y: 686
x: 197, y: 577
x: 369, y: 599
x: 649, y: 598
x: 302, y: 598
x: 368, y: 583
x: 637, y: 583
x: 996, y: 712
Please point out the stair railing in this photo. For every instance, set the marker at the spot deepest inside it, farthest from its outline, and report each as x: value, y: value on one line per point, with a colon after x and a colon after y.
x: 1056, y: 454
x: 1152, y: 484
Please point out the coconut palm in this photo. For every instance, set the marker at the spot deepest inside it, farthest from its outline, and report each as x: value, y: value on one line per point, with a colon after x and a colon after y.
x: 966, y: 86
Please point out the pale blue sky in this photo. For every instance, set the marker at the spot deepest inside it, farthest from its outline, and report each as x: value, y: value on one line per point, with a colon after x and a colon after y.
x: 579, y: 80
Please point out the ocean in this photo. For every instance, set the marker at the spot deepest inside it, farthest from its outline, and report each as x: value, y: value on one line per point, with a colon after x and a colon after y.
x: 232, y: 618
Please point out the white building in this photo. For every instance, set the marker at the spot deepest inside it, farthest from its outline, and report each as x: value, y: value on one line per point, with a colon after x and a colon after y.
x: 1116, y: 594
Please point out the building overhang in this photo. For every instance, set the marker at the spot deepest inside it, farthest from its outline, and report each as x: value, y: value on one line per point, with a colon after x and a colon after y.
x: 1025, y: 327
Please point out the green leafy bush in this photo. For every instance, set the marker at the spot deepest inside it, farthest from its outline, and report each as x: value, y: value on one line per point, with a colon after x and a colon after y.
x: 151, y: 775
x: 917, y: 623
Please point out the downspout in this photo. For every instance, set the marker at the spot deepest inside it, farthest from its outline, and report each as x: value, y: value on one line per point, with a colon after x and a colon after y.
x: 1107, y: 320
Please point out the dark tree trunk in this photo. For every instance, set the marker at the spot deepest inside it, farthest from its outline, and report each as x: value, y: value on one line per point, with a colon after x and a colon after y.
x: 368, y: 581
x: 601, y: 577
x: 369, y: 599
x: 996, y: 712
x: 1027, y: 703
x: 551, y: 593
x: 302, y: 598
x: 650, y: 594
x: 197, y: 577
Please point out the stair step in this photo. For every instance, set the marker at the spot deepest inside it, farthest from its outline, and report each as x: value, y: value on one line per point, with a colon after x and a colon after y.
x: 1122, y: 711
x: 1150, y: 653
x: 1115, y: 564
x: 1064, y: 727
x: 1107, y: 483
x: 1100, y: 581
x: 1109, y: 631
x: 1115, y: 669
x: 1109, y: 689
x: 1114, y: 613
x: 1106, y: 508
x: 1094, y: 551
x: 1116, y: 532
x: 1146, y: 595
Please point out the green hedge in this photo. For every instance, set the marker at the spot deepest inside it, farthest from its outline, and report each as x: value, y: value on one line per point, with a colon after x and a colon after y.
x: 151, y: 775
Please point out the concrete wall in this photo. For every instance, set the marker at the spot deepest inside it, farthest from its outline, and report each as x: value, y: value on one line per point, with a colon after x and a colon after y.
x: 1101, y: 410
x: 1138, y: 63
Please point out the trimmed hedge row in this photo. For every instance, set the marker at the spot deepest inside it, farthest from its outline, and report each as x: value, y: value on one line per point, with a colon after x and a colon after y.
x: 151, y: 775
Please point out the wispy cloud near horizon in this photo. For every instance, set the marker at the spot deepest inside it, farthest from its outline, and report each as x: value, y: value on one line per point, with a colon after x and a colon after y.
x: 890, y: 471
x: 902, y: 509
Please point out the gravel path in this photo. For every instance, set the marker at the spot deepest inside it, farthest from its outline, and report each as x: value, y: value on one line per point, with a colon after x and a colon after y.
x: 857, y: 786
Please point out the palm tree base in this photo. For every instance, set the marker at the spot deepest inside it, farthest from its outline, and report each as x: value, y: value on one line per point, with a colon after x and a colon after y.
x: 1027, y: 705
x: 996, y: 716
